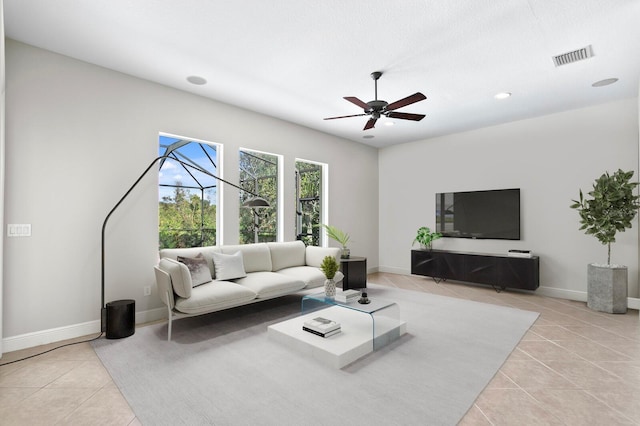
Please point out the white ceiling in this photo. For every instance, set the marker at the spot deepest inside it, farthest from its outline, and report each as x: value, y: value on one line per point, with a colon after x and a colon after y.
x: 296, y: 59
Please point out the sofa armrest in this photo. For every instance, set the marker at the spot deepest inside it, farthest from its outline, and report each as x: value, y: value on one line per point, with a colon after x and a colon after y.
x: 165, y: 290
x: 314, y: 255
x: 180, y: 278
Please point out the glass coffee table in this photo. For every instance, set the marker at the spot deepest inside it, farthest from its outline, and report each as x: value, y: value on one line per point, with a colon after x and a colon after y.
x: 384, y: 314
x: 364, y: 328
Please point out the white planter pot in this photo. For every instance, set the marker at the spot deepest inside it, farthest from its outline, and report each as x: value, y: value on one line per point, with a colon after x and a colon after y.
x: 330, y: 288
x: 607, y: 288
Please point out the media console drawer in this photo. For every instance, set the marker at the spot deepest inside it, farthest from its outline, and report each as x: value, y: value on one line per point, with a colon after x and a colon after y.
x: 499, y: 271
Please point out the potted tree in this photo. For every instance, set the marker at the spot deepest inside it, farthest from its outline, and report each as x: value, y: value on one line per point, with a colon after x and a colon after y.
x: 610, y: 209
x: 329, y: 267
x: 425, y: 237
x: 340, y: 237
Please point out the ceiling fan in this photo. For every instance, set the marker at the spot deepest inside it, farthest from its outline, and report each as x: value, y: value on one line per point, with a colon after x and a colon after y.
x: 378, y: 108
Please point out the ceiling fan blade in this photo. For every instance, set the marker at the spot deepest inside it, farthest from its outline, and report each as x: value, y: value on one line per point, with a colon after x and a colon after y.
x: 357, y: 101
x: 405, y: 116
x: 416, y: 97
x: 370, y: 124
x: 345, y: 116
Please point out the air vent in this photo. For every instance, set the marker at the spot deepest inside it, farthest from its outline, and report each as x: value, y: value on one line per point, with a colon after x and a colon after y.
x: 575, y: 56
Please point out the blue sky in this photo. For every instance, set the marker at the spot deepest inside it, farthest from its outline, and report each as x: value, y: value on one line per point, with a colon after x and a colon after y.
x: 172, y: 171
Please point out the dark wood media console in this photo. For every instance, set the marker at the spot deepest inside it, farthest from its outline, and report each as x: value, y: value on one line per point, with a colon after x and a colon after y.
x: 499, y: 271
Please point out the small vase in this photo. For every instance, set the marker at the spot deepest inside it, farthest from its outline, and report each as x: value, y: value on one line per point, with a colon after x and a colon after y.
x: 345, y: 253
x: 330, y: 288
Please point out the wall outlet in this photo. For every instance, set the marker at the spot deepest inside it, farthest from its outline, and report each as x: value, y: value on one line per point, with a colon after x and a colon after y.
x: 147, y: 291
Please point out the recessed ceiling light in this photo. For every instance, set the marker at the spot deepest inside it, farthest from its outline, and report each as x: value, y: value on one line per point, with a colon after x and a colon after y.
x: 605, y: 82
x: 368, y: 137
x: 194, y: 79
x: 502, y: 95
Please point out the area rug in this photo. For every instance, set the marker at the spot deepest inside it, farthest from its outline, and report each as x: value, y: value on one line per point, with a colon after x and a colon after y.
x: 222, y: 369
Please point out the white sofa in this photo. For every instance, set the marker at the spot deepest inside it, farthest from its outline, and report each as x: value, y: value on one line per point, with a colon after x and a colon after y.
x: 199, y: 280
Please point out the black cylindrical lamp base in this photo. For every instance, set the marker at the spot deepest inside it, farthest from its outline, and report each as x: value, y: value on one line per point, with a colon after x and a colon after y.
x: 121, y: 318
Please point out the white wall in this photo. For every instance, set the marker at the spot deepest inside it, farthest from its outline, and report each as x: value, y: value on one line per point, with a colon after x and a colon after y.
x: 79, y: 135
x: 550, y: 158
x: 2, y: 157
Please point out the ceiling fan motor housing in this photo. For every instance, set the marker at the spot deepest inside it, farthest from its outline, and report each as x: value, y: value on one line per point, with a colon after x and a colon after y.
x: 376, y: 107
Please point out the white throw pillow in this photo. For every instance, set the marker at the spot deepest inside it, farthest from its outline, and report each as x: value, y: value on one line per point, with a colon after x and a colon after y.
x: 198, y: 268
x: 256, y: 257
x: 228, y: 266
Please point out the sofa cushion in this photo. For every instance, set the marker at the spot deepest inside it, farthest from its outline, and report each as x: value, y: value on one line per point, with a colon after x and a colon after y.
x: 198, y: 269
x: 228, y: 266
x: 214, y: 296
x: 256, y: 256
x: 286, y: 255
x: 180, y: 276
x: 311, y: 276
x: 314, y: 255
x: 270, y: 284
x: 207, y: 252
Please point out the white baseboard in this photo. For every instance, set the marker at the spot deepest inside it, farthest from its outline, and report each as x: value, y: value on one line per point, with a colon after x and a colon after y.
x: 393, y: 270
x: 560, y: 293
x: 43, y: 337
x: 579, y: 296
x: 151, y: 315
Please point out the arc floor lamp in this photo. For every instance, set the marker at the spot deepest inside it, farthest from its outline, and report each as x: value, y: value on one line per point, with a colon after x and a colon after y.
x: 117, y: 318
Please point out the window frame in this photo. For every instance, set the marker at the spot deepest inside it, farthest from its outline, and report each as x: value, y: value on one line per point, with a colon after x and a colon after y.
x: 323, y: 199
x: 217, y: 164
x: 279, y: 198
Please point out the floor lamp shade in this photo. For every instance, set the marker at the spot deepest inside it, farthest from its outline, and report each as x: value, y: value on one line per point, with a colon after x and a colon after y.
x: 256, y: 203
x: 117, y: 318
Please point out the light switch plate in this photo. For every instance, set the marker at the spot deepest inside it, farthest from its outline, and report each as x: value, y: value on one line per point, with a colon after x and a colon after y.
x: 18, y: 230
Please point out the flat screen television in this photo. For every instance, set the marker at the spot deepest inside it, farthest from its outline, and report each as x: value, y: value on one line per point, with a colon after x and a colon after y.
x: 493, y: 214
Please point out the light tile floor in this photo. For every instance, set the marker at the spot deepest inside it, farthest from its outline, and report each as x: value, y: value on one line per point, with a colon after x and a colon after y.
x: 574, y: 367
x: 68, y: 386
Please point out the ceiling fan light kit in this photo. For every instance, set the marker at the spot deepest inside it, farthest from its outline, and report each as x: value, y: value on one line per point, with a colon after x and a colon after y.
x: 379, y: 108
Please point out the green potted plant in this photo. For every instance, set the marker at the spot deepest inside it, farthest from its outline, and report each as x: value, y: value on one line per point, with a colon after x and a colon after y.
x: 329, y: 267
x: 425, y: 237
x: 340, y: 237
x: 610, y: 210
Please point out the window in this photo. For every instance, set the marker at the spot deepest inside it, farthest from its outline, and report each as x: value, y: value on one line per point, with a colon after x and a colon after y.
x: 188, y: 198
x: 259, y: 176
x: 310, y: 208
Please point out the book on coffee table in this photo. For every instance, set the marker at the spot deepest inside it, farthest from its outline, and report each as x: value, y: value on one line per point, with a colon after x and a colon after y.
x: 347, y: 296
x: 317, y: 333
x: 321, y: 325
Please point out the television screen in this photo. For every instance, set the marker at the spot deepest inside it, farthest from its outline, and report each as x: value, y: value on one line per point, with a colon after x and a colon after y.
x: 493, y: 214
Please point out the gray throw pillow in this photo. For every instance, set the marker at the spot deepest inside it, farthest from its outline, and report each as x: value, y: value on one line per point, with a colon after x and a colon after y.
x: 198, y: 268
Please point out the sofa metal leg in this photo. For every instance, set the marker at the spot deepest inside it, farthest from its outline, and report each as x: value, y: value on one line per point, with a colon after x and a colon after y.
x: 169, y: 331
